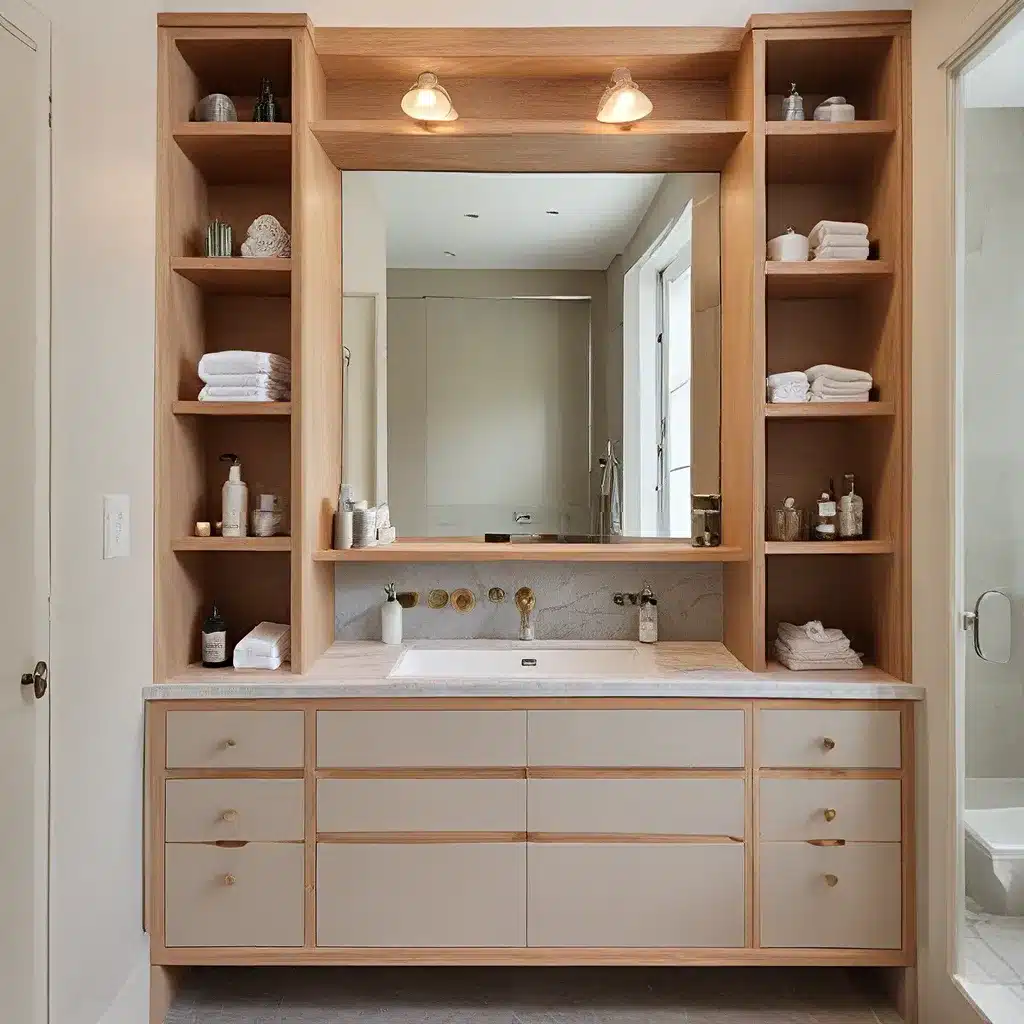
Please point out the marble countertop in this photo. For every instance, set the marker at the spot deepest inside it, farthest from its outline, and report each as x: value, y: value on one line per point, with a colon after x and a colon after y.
x: 361, y: 669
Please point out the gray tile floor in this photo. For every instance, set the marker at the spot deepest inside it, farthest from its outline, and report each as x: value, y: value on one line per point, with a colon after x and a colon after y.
x: 440, y: 995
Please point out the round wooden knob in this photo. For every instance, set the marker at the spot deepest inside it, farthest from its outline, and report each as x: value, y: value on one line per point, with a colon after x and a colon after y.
x: 229, y: 743
x: 831, y: 881
x: 233, y: 816
x: 229, y: 879
x: 828, y: 743
x: 830, y: 814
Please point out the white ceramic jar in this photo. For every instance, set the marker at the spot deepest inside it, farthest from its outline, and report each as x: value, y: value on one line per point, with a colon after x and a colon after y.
x: 789, y: 248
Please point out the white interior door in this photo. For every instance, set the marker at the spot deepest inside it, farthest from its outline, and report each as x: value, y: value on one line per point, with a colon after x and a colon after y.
x: 24, y: 510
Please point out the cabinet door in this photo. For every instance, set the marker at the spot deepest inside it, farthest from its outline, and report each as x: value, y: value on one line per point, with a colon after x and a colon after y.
x: 421, y: 894
x: 644, y: 894
x: 828, y: 738
x: 859, y: 810
x: 253, y: 810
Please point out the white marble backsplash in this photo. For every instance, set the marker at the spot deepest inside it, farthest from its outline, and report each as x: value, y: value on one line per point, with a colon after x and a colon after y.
x: 574, y: 600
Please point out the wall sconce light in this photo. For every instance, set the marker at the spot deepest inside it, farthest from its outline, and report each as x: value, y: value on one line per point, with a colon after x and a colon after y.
x: 623, y: 102
x: 428, y: 100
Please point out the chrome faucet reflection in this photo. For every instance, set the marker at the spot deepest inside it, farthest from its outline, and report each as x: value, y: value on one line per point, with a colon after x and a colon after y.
x: 526, y: 602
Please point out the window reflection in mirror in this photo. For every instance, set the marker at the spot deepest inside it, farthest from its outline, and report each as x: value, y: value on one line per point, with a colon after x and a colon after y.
x: 532, y: 354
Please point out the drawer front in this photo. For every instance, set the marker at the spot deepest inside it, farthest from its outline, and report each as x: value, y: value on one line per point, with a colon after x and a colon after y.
x: 421, y: 805
x: 255, y: 810
x: 234, y: 739
x: 647, y: 894
x: 843, y: 738
x: 421, y: 894
x: 249, y: 895
x: 862, y: 909
x: 644, y: 739
x: 696, y: 807
x: 421, y: 739
x: 864, y: 810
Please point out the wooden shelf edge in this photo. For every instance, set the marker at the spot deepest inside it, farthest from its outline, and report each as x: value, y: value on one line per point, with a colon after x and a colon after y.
x: 231, y: 544
x: 867, y: 674
x: 828, y: 410
x: 242, y: 410
x: 818, y: 129
x: 479, y: 551
x: 232, y: 129
x: 231, y: 264
x: 829, y: 268
x: 516, y: 128
x: 196, y: 673
x: 835, y: 547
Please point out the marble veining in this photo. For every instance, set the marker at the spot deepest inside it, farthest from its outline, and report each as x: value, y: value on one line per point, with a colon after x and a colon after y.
x: 574, y: 600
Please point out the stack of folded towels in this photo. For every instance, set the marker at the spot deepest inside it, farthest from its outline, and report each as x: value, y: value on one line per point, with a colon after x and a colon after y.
x: 788, y: 387
x: 267, y: 646
x: 812, y: 647
x: 830, y: 383
x: 236, y: 376
x: 839, y: 240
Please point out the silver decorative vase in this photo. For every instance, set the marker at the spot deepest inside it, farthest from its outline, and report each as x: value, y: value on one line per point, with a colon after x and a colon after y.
x: 218, y: 239
x: 793, y: 105
x: 216, y: 107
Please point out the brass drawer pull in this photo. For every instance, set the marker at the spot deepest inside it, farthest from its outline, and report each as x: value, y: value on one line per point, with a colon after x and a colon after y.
x: 228, y: 879
x: 831, y: 881
x: 828, y: 743
x: 228, y: 743
x: 830, y: 814
x: 232, y: 815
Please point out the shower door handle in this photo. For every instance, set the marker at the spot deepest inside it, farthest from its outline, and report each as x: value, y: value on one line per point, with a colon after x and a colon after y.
x: 991, y: 625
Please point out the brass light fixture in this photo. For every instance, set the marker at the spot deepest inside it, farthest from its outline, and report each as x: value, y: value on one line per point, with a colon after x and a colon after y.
x: 623, y: 101
x: 428, y: 100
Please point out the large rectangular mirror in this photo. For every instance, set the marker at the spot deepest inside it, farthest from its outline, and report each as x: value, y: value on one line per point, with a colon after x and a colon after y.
x: 542, y: 355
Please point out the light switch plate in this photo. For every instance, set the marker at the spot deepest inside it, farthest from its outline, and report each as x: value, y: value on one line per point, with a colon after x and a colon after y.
x: 117, y: 526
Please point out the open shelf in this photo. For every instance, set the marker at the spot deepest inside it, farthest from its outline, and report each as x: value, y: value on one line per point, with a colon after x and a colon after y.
x: 820, y: 151
x: 835, y: 547
x: 197, y: 673
x: 236, y: 275
x: 237, y: 410
x: 480, y: 551
x: 828, y: 410
x: 823, y: 278
x: 232, y: 544
x: 237, y: 152
x: 549, y: 146
x: 867, y: 674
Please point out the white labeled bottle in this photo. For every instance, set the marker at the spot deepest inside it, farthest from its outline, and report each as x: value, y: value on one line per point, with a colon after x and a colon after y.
x: 234, y: 500
x: 648, y: 616
x: 391, y: 616
x: 851, y: 512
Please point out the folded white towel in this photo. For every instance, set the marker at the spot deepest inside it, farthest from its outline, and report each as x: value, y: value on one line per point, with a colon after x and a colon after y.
x: 269, y: 662
x: 862, y: 397
x: 835, y: 227
x: 209, y: 394
x: 842, y: 241
x: 839, y: 388
x: 812, y: 636
x: 236, y: 361
x: 836, y: 252
x: 838, y: 373
x: 776, y: 380
x: 788, y: 393
x: 267, y: 640
x: 246, y: 380
x: 850, y: 660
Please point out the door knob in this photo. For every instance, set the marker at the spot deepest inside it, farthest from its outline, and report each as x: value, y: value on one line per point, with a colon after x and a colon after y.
x: 830, y: 814
x: 37, y: 679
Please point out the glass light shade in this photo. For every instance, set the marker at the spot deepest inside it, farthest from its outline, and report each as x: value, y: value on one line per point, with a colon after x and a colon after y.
x: 623, y: 102
x: 428, y: 100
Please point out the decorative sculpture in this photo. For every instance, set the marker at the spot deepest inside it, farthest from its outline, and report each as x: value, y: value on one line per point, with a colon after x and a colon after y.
x: 266, y: 238
x: 216, y: 107
x: 218, y: 239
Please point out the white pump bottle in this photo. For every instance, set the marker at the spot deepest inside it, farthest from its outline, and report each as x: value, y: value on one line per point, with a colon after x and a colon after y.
x: 234, y: 500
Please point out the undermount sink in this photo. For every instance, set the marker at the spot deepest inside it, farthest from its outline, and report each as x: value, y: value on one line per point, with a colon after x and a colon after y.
x: 514, y: 662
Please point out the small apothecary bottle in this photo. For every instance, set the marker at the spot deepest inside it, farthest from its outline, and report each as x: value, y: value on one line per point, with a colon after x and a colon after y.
x: 215, y: 641
x: 851, y: 511
x: 825, y: 515
x: 648, y: 616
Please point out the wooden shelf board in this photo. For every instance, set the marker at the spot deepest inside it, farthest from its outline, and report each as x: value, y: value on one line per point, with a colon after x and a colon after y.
x: 196, y: 673
x: 821, y: 152
x: 867, y: 674
x: 237, y: 152
x: 529, y: 145
x: 828, y: 410
x: 231, y: 544
x: 239, y: 410
x: 822, y: 278
x: 835, y: 547
x: 480, y: 551
x: 236, y: 275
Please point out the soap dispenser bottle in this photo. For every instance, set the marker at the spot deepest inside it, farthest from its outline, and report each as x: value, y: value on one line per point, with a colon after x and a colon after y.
x: 648, y: 616
x: 391, y: 616
x: 234, y: 500
x: 215, y: 641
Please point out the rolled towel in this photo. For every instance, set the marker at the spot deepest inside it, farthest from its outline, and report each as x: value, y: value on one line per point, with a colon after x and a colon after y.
x: 835, y: 252
x: 835, y: 227
x: 246, y: 380
x: 237, y: 361
x: 776, y: 380
x: 840, y: 374
x: 842, y: 240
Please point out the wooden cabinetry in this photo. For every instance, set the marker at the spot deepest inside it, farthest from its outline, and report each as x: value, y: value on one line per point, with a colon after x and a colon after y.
x: 515, y: 830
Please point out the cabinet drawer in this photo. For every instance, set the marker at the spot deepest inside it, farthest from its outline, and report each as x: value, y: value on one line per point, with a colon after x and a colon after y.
x: 866, y: 810
x: 421, y: 805
x: 202, y: 810
x: 421, y: 894
x: 234, y: 739
x: 645, y: 894
x: 421, y: 739
x: 645, y: 739
x: 843, y: 738
x: 861, y: 909
x: 698, y: 807
x: 250, y: 895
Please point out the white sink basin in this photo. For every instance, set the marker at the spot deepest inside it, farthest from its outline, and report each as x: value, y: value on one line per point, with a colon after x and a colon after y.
x: 514, y: 663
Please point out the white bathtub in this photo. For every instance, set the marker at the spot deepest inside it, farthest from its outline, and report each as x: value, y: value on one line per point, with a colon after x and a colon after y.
x: 994, y: 858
